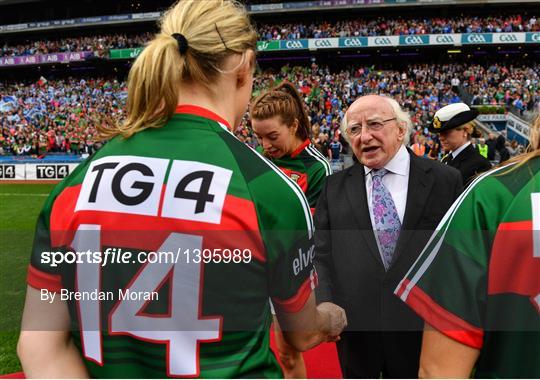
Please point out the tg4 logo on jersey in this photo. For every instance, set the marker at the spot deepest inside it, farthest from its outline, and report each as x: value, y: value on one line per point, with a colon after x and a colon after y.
x: 130, y: 184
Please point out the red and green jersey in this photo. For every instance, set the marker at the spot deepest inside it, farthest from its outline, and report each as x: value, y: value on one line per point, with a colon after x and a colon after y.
x: 232, y: 230
x: 308, y: 168
x: 478, y: 279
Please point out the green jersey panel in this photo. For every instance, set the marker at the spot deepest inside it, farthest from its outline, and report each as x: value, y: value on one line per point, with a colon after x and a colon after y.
x: 478, y: 279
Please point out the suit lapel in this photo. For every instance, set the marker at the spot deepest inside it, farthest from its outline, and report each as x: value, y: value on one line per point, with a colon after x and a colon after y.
x: 462, y: 156
x: 420, y: 184
x: 355, y: 189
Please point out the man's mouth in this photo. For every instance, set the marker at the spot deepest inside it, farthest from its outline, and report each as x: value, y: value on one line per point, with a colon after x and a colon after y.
x: 370, y: 149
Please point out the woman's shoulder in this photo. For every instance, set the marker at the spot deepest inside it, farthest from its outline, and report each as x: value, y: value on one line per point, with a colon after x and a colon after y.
x: 506, y: 181
x: 314, y: 161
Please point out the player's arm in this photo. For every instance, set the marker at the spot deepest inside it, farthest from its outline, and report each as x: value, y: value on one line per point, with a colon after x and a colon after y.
x: 45, y: 347
x: 444, y: 357
x: 311, y: 325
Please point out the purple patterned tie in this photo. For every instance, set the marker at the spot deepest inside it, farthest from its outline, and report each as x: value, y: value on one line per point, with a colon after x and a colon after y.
x: 385, y: 216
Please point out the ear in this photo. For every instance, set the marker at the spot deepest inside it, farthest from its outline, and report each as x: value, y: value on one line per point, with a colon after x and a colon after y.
x: 245, y: 72
x: 294, y: 126
x: 402, y: 130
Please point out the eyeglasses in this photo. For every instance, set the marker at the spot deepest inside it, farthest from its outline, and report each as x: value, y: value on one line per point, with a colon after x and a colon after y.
x: 372, y: 126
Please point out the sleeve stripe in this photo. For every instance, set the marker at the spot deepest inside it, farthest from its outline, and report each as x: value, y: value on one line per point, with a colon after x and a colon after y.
x: 441, y: 319
x: 297, y: 302
x: 41, y: 280
x: 323, y: 160
x: 440, y: 228
x: 312, y: 151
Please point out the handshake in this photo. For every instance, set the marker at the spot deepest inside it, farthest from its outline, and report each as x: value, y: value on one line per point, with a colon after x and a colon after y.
x: 334, y: 320
x: 312, y: 325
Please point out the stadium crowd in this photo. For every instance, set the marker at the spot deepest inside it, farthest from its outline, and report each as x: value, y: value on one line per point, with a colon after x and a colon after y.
x: 57, y: 116
x: 100, y: 45
x: 400, y: 26
x: 499, y: 84
x: 380, y: 26
x: 61, y: 116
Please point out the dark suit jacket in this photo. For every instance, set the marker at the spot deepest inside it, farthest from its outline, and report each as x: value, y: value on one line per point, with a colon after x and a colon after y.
x: 470, y: 162
x: 350, y: 269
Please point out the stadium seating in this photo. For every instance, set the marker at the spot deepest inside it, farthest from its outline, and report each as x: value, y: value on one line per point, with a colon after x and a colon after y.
x: 380, y: 26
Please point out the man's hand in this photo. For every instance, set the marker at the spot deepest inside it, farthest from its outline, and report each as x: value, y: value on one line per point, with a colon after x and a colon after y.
x: 336, y: 320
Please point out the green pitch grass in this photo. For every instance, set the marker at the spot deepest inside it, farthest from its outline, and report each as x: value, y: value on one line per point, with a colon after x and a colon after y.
x: 19, y: 209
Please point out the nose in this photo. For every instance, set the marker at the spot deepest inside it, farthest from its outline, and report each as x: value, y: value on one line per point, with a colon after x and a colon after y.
x: 266, y: 144
x: 365, y: 135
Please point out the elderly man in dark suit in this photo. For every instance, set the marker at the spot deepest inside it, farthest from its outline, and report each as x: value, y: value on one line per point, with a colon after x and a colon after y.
x: 372, y: 221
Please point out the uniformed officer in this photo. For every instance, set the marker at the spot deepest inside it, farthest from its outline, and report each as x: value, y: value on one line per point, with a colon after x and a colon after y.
x: 454, y: 124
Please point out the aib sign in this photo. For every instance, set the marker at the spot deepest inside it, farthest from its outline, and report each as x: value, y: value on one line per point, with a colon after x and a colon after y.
x: 135, y: 53
x: 267, y: 45
x: 414, y: 40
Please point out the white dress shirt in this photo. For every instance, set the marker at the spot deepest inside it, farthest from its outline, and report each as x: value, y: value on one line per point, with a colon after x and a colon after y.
x: 396, y: 181
x: 459, y: 150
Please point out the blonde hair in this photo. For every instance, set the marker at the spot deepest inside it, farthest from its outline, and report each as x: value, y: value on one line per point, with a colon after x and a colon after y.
x: 213, y: 29
x: 283, y: 101
x: 471, y: 130
x: 533, y: 150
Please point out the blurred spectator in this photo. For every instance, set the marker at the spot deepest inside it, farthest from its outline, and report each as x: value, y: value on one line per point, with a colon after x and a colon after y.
x: 482, y: 148
x: 335, y: 148
x: 504, y: 153
x: 491, y: 143
x: 419, y: 147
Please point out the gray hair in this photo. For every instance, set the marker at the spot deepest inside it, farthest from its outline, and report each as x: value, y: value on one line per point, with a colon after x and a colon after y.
x: 402, y: 117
